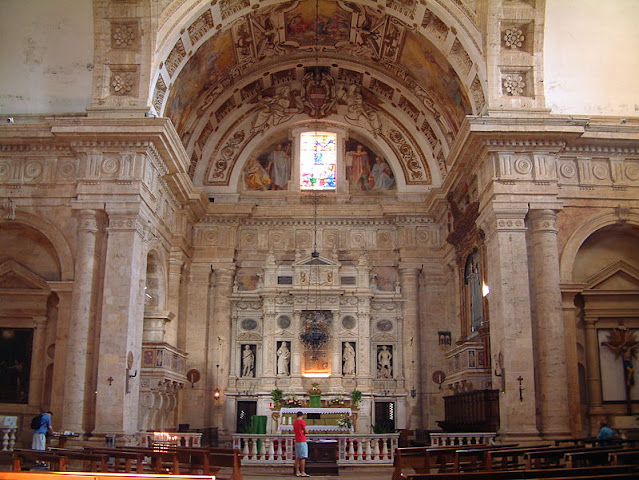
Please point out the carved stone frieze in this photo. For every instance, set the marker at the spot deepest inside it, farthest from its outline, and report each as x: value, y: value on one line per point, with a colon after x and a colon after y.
x: 249, y: 337
x: 460, y: 58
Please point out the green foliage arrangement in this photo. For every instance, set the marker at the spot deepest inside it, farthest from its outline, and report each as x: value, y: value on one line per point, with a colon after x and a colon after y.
x: 356, y: 397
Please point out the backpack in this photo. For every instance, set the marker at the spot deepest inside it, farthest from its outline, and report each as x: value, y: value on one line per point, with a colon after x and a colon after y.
x: 36, y: 422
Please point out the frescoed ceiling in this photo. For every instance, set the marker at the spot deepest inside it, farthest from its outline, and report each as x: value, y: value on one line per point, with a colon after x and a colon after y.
x: 400, y: 74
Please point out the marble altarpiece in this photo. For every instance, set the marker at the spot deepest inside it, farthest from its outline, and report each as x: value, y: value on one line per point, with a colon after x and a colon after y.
x: 317, y: 321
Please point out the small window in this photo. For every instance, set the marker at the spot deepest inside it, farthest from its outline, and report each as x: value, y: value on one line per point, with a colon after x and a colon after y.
x: 318, y: 160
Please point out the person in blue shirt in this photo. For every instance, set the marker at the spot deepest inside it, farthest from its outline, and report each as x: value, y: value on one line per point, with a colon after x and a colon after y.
x: 39, y: 441
x: 606, y: 435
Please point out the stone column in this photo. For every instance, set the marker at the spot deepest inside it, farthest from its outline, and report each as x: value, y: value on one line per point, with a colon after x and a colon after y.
x: 39, y: 355
x: 510, y: 317
x: 572, y: 359
x: 220, y: 340
x: 176, y: 263
x: 196, y: 317
x: 550, y: 332
x: 78, y: 386
x: 410, y: 337
x: 121, y: 325
x: 595, y: 399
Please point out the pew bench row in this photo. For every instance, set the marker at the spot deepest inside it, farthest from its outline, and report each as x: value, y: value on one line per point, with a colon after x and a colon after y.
x: 205, y: 461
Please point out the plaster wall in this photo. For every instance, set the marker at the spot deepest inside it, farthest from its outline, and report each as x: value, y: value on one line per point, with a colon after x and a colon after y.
x: 46, y: 55
x: 590, y: 61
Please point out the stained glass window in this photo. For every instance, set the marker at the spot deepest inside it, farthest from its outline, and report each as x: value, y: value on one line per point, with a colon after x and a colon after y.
x: 318, y: 160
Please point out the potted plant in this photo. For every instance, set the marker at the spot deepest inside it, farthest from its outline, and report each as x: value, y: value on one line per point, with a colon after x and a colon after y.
x: 356, y: 397
x: 278, y: 397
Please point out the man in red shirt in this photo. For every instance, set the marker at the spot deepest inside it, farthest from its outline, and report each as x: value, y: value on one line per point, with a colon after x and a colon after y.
x: 301, y: 447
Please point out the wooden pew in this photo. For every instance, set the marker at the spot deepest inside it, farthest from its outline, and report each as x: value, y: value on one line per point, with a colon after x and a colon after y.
x: 94, y: 476
x: 420, y: 459
x: 227, y: 458
x: 92, y: 462
x: 590, y: 456
x: 597, y: 472
x: 176, y: 459
x: 20, y: 456
x: 549, y: 457
x: 484, y: 458
x: 624, y: 457
x: 121, y: 458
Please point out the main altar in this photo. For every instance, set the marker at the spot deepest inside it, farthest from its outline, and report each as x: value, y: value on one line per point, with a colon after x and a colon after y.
x: 318, y: 420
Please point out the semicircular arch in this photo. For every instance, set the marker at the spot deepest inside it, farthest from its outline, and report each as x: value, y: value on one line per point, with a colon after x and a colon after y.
x: 581, y: 234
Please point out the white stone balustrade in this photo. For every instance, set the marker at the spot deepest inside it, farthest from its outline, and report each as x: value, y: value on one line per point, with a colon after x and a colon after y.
x: 353, y: 449
x: 8, y: 431
x: 444, y: 439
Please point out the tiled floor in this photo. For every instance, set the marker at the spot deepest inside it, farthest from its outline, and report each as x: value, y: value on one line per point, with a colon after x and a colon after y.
x: 346, y: 473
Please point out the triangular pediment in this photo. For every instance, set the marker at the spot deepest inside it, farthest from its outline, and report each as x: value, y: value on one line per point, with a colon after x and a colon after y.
x: 618, y: 276
x: 15, y: 276
x: 312, y: 261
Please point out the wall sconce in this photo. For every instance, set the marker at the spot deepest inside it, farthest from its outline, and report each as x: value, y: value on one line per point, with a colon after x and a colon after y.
x: 413, y: 392
x: 216, y: 394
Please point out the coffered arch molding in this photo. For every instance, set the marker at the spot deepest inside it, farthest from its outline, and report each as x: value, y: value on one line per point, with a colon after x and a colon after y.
x: 453, y: 39
x: 440, y: 24
x: 432, y: 138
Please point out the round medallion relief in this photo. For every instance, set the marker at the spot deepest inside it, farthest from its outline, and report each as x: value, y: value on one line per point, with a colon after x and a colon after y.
x: 384, y: 325
x: 348, y: 322
x: 284, y: 322
x: 249, y: 324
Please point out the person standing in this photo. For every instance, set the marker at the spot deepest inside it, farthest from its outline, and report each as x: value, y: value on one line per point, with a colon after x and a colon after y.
x: 301, y: 446
x: 606, y: 435
x: 39, y: 440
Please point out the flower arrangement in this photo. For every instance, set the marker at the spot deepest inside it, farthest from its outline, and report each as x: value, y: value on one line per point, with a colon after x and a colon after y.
x: 338, y: 400
x: 292, y: 402
x: 345, y: 422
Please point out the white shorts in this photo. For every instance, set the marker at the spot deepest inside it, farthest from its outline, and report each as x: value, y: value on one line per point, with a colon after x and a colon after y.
x: 39, y: 441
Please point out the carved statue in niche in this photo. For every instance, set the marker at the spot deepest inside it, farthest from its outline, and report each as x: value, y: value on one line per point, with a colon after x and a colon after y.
x: 385, y: 361
x: 348, y: 359
x: 248, y: 361
x: 283, y: 359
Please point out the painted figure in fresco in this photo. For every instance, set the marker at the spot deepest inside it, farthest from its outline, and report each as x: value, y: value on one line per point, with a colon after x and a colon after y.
x: 349, y: 359
x: 357, y: 164
x: 279, y: 167
x: 275, y: 110
x: 382, y: 174
x: 384, y: 365
x: 248, y: 362
x: 256, y: 177
x: 283, y: 359
x: 358, y: 113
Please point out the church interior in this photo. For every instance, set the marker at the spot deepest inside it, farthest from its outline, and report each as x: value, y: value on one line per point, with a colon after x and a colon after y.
x: 426, y: 210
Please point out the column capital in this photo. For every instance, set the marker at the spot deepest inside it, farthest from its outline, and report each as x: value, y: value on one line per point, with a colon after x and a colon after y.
x: 90, y: 220
x: 544, y: 220
x: 501, y: 217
